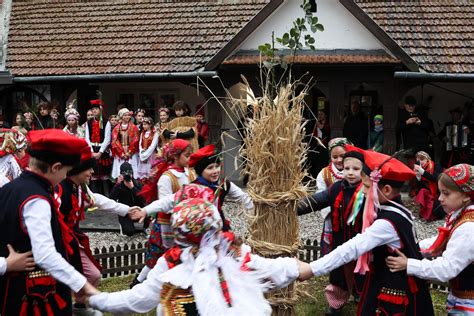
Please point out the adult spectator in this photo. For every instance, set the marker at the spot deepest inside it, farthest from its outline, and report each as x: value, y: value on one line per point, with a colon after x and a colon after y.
x: 455, y: 135
x: 356, y: 126
x: 413, y: 126
x: 470, y: 123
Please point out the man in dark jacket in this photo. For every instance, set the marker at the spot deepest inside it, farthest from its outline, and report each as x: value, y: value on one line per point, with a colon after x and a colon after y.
x: 356, y: 126
x: 413, y: 126
x: 126, y: 191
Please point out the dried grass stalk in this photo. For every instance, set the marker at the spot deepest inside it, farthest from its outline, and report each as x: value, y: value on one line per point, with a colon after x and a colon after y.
x: 275, y: 154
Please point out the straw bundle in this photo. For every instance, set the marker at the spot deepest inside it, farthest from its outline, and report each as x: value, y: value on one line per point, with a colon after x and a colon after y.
x: 275, y: 155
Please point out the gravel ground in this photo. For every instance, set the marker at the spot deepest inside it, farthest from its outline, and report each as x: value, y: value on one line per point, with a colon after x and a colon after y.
x: 310, y: 227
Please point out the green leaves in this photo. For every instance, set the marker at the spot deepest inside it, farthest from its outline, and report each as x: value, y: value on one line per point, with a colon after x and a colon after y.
x: 296, y: 39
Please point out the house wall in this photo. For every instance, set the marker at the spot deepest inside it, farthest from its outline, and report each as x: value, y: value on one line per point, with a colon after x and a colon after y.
x: 5, y: 8
x: 341, y: 29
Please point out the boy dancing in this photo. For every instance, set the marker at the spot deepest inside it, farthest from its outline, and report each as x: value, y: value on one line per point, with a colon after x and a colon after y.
x: 30, y: 220
x: 387, y: 226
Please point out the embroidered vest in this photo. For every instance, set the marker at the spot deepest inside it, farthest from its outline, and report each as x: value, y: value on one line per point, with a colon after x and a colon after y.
x: 388, y: 293
x: 29, y: 293
x: 462, y: 286
x: 165, y: 219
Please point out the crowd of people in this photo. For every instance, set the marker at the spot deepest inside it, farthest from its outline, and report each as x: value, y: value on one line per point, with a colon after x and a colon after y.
x: 195, y: 264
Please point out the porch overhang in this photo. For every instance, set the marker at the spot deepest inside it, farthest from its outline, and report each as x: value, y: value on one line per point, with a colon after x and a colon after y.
x: 116, y: 76
x: 437, y: 76
x: 5, y: 77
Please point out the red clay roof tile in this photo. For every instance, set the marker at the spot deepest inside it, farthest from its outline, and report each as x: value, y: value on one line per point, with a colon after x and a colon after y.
x: 68, y: 37
x: 438, y: 35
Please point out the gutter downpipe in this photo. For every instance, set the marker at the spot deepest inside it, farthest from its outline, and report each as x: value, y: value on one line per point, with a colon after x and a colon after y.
x: 119, y: 76
x: 437, y: 76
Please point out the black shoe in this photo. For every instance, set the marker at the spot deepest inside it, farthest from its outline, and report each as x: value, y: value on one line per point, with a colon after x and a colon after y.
x: 135, y: 281
x: 333, y: 312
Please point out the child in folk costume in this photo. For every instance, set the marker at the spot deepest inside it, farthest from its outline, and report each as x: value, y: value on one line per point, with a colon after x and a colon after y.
x: 453, y: 249
x: 30, y: 220
x: 387, y: 225
x: 182, y: 127
x: 346, y: 199
x: 12, y: 149
x: 203, y: 274
x: 427, y: 172
x: 170, y: 175
x: 124, y: 144
x: 328, y: 176
x: 98, y: 137
x: 72, y: 122
x: 147, y: 148
x: 113, y: 120
x: 75, y: 198
x: 202, y: 127
x: 206, y: 162
x: 139, y: 116
x: 377, y: 134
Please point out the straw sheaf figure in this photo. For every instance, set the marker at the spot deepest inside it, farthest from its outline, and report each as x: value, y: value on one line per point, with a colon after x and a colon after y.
x: 275, y: 155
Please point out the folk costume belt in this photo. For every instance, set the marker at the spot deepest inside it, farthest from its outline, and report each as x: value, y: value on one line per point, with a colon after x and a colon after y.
x: 174, y: 300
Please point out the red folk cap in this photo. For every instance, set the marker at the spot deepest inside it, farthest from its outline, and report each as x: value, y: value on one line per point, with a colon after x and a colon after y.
x: 463, y: 176
x: 96, y: 103
x: 87, y: 162
x: 53, y: 145
x: 203, y: 158
x: 205, y: 152
x: 390, y: 167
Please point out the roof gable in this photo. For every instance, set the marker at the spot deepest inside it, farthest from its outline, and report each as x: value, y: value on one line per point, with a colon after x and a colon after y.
x: 64, y: 38
x: 438, y: 35
x: 342, y: 30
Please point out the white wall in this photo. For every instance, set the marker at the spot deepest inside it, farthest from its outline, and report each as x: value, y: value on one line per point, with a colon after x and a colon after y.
x: 341, y: 29
x: 232, y: 143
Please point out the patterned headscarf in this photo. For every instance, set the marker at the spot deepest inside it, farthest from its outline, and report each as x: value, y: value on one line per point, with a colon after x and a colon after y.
x: 122, y: 112
x: 423, y: 154
x: 72, y: 113
x: 339, y: 141
x: 174, y: 148
x: 192, y: 219
x: 194, y: 191
x: 463, y: 176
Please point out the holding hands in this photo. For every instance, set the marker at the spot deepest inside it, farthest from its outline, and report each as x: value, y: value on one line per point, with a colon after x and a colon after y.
x: 137, y: 214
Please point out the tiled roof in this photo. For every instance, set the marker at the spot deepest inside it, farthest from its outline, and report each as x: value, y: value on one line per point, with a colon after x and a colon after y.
x: 82, y: 37
x: 319, y: 59
x: 438, y: 35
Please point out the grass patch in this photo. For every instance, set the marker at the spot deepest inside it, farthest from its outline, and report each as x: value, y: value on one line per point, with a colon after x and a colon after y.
x: 317, y: 305
x: 308, y: 306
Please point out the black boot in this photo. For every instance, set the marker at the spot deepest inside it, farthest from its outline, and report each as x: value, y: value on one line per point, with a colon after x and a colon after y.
x: 333, y: 312
x: 135, y: 281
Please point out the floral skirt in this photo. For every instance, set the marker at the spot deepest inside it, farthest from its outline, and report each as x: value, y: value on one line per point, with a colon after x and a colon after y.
x: 156, y: 245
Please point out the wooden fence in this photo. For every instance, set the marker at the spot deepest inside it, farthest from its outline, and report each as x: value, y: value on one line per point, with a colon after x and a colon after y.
x: 130, y: 258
